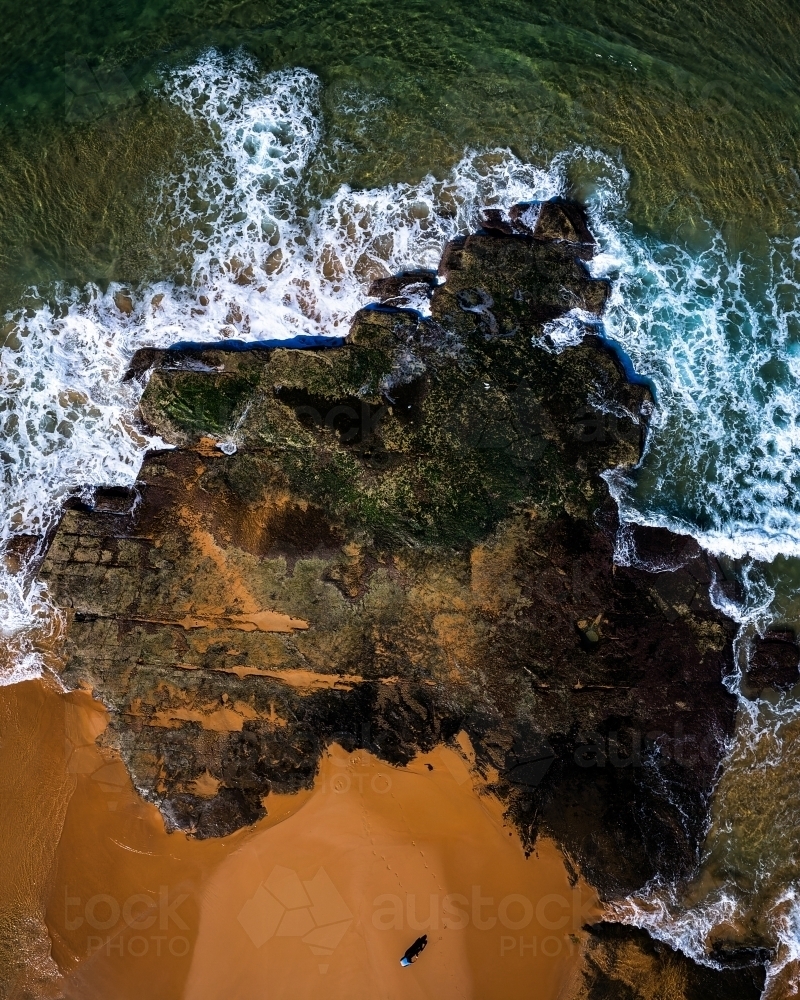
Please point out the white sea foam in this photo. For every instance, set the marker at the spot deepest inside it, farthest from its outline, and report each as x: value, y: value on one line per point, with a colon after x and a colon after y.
x: 283, y: 262
x: 658, y: 911
x: 719, y: 335
x: 566, y: 331
x: 786, y: 922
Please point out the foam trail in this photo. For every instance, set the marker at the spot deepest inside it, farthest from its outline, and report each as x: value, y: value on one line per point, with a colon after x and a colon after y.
x: 786, y: 921
x: 751, y: 867
x: 659, y: 911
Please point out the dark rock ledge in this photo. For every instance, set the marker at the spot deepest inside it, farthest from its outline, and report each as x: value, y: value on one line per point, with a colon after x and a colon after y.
x: 387, y: 542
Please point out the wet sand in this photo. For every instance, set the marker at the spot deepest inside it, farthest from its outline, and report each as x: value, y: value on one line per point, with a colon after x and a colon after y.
x: 35, y: 790
x: 320, y: 898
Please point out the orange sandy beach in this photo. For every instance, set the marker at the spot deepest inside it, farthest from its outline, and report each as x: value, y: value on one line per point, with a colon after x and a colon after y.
x: 320, y: 898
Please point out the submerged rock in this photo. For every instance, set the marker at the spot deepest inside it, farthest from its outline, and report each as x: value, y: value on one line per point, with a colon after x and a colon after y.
x: 774, y: 662
x: 389, y: 542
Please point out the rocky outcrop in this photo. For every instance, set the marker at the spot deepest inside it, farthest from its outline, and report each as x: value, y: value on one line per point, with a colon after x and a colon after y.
x: 389, y: 542
x: 624, y: 963
x: 774, y: 662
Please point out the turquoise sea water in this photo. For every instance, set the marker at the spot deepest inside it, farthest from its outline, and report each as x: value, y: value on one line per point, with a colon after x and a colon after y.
x: 161, y: 149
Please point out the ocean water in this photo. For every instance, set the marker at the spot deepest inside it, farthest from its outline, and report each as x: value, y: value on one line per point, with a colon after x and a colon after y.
x: 240, y: 173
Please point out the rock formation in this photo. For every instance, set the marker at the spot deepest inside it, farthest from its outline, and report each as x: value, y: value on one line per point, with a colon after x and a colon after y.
x: 624, y: 963
x: 774, y: 662
x: 394, y: 540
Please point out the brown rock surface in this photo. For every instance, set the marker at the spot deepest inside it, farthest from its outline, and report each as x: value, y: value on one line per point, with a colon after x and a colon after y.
x: 389, y: 542
x: 774, y: 662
